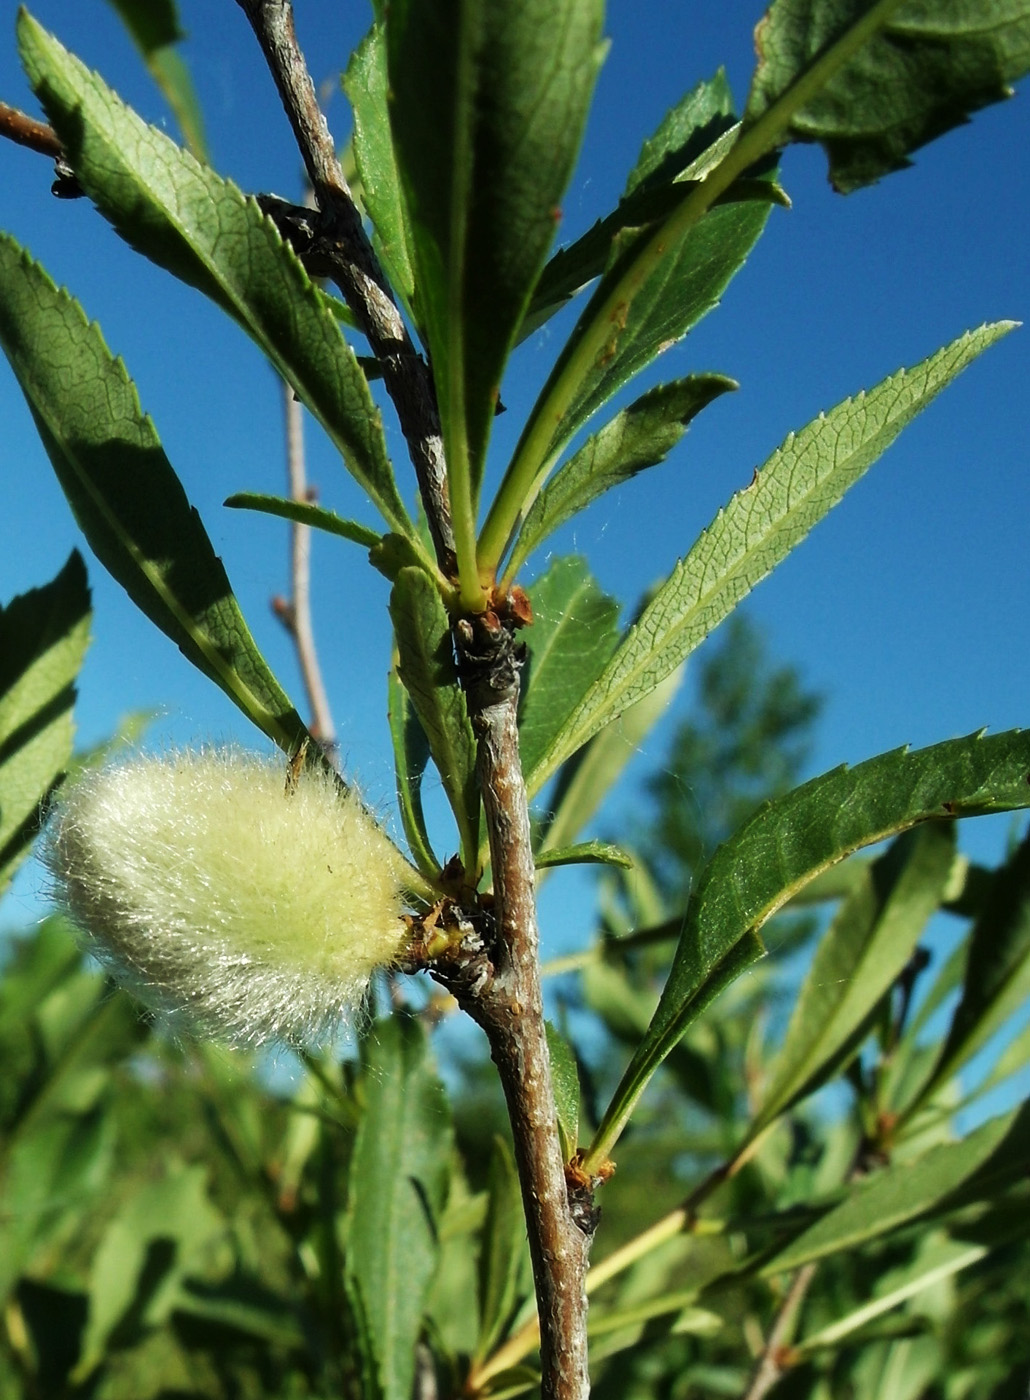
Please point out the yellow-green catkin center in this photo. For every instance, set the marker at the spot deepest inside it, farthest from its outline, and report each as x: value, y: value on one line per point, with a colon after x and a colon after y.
x: 222, y: 898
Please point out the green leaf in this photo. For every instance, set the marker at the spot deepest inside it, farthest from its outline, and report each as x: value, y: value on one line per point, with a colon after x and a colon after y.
x: 790, y: 840
x: 686, y: 132
x: 872, y: 80
x: 644, y: 312
x: 1012, y: 1060
x: 201, y: 228
x: 152, y: 24
x: 32, y: 971
x: 62, y: 1015
x: 636, y: 905
x: 175, y: 1208
x: 488, y: 99
x: 653, y: 188
x: 305, y: 513
x: 126, y: 497
x: 503, y: 1250
x: 516, y: 1380
x: 948, y: 1176
x: 393, y: 552
x: 659, y: 282
x: 969, y: 888
x: 572, y: 636
x: 625, y: 1007
x: 642, y: 435
x: 241, y: 1306
x: 565, y: 1082
x: 607, y: 990
x: 688, y: 1319
x: 964, y: 894
x: 128, y: 733
x: 762, y: 523
x: 997, y: 977
x: 398, y: 1183
x: 937, y: 1257
x: 43, y: 638
x: 834, y: 884
x: 154, y: 27
x: 584, y: 853
x: 410, y: 756
x: 858, y: 959
x: 453, y: 1313
x: 573, y: 267
x: 426, y: 668
x: 586, y: 779
x: 366, y: 85
x: 51, y: 1176
x: 655, y: 1045
x: 947, y: 981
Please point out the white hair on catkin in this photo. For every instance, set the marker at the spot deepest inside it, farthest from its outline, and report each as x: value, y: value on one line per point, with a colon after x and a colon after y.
x: 222, y: 900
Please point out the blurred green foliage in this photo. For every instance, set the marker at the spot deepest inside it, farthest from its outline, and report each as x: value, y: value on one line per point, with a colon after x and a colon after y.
x: 185, y: 1222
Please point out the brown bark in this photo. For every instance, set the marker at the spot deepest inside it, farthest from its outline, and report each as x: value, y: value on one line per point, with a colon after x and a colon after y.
x: 509, y: 1007
x: 342, y: 248
x: 27, y: 131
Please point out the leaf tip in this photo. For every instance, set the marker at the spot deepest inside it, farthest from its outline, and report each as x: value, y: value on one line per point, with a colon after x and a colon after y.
x: 25, y: 23
x: 33, y: 42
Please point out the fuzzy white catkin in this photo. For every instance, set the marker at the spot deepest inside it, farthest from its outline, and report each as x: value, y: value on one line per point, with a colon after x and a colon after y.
x: 224, y: 902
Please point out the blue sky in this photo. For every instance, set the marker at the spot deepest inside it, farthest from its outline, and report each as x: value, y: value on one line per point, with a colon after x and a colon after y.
x: 906, y: 608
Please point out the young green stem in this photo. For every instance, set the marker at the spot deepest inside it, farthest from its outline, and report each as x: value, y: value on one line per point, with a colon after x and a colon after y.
x: 463, y: 517
x: 534, y: 456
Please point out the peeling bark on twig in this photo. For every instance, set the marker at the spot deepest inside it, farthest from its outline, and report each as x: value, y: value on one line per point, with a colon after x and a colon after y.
x: 353, y: 266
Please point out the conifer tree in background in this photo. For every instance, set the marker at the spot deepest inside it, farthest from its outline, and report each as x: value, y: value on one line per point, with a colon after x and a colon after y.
x: 747, y: 739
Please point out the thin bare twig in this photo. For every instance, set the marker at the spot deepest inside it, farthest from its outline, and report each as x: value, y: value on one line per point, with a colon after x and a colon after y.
x: 24, y: 130
x: 355, y: 268
x: 775, y: 1355
x: 35, y: 135
x: 295, y: 612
